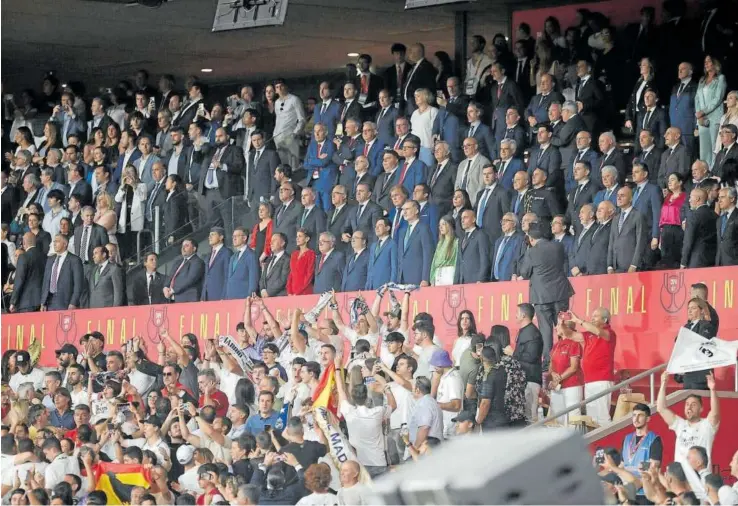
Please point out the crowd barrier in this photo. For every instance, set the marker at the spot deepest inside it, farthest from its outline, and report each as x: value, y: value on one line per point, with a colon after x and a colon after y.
x: 647, y: 309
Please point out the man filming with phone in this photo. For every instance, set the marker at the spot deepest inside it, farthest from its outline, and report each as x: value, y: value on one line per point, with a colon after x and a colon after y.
x: 642, y: 449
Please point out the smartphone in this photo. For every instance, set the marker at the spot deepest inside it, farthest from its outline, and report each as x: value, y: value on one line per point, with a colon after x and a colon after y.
x: 645, y: 465
x: 267, y: 428
x: 599, y: 456
x: 152, y: 102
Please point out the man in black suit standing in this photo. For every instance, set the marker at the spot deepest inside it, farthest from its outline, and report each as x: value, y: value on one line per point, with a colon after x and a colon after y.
x: 581, y: 195
x: 628, y: 236
x: 550, y: 290
x: 86, y: 238
x: 582, y: 241
x: 338, y: 217
x: 287, y: 216
x: 147, y: 286
x: 522, y: 69
x: 221, y: 180
x: 611, y: 155
x: 273, y: 281
x: 362, y: 175
x: 492, y: 202
x: 387, y: 179
x: 369, y: 86
x: 649, y: 154
x: 442, y: 178
x: 727, y: 229
x: 313, y: 218
x: 729, y: 150
x: 78, y: 186
x: 63, y: 278
x: 363, y: 216
x: 329, y: 265
x: 260, y: 174
x: 29, y: 277
x: 157, y: 198
x: 185, y: 284
x: 600, y: 242
x: 652, y: 118
x: 505, y: 93
x: 528, y: 351
x: 351, y: 107
x: 421, y: 75
x: 590, y: 98
x: 395, y: 77
x: 700, y: 234
x: 473, y: 258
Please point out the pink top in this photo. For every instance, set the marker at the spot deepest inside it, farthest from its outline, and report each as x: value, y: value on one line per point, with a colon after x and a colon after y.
x: 670, y: 210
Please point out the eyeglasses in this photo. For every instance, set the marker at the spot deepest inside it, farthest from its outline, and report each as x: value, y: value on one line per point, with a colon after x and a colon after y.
x: 168, y: 374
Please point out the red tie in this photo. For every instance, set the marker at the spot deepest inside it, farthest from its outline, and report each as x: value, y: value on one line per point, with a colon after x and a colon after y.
x: 397, y: 144
x: 403, y: 172
x: 171, y: 284
x: 366, y: 149
x: 364, y: 84
x: 322, y: 261
x: 499, y: 91
x: 212, y: 257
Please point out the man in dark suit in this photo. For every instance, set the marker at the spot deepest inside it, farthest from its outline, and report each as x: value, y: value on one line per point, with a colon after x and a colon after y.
x: 189, y: 111
x: 728, y: 151
x: 89, y: 236
x: 185, y: 284
x: 560, y: 226
x: 216, y: 269
x: 243, y: 268
x: 700, y: 233
x: 590, y: 98
x: 358, y: 174
x: 473, y: 257
x: 63, y: 279
x: 628, y: 236
x: 505, y: 94
x: 338, y: 217
x: 382, y: 264
x: 537, y: 110
x: 357, y: 263
x: 566, y: 137
x: 313, y: 218
x: 77, y: 185
x: 429, y: 213
x: 547, y: 158
x: 522, y: 69
x: 386, y: 180
x: 681, y: 103
x: 287, y: 216
x: 147, y: 286
x: 652, y: 118
x: 507, y: 166
x: 600, y: 241
x: 529, y: 352
x: 421, y: 75
x: 611, y: 155
x: 372, y: 148
x: 10, y: 200
x: 582, y: 241
x: 675, y: 157
x: 29, y: 277
x: 447, y: 128
x: 329, y: 265
x: 649, y: 154
x: 481, y: 132
x: 727, y: 229
x: 647, y: 200
x: 273, y: 281
x: 395, y: 77
x: 581, y: 195
x: 106, y: 285
x: 363, y: 216
x: 492, y: 202
x: 261, y: 165
x: 328, y: 110
x: 442, y: 178
x: 415, y: 248
x: 550, y: 290
x: 402, y: 133
x: 412, y: 170
x: 386, y: 117
x: 221, y: 181
x: 320, y: 167
x: 347, y: 148
x: 369, y: 86
x: 515, y: 131
x: 505, y: 249
x: 157, y: 199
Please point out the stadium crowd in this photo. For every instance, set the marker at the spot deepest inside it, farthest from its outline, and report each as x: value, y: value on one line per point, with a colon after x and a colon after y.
x: 412, y: 177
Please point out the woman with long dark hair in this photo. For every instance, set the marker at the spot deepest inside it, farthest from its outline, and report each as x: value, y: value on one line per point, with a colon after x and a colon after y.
x: 443, y: 265
x: 670, y: 222
x: 466, y: 328
x: 515, y: 380
x: 176, y: 218
x: 444, y: 69
x: 461, y: 202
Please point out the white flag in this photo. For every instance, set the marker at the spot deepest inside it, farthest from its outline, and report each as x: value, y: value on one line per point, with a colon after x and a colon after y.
x: 692, y: 352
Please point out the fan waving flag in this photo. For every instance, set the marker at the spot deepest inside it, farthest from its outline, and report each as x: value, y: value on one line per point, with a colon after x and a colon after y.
x: 117, y: 480
x: 325, y: 393
x: 692, y: 352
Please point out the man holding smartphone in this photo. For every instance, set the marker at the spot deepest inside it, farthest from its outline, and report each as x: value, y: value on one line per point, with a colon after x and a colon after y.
x: 642, y: 449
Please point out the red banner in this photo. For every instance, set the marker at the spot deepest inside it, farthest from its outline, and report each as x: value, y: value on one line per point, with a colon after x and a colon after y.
x: 647, y: 308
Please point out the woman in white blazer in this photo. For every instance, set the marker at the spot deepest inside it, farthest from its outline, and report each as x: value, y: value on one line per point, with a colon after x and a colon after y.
x: 131, y: 197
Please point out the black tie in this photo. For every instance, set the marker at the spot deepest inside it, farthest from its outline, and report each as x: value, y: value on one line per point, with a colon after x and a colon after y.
x: 680, y: 90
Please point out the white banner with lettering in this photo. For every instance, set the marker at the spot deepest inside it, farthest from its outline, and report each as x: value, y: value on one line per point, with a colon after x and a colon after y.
x: 692, y: 352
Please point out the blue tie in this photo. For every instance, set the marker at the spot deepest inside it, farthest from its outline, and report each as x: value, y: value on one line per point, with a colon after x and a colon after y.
x: 622, y: 220
x: 517, y: 202
x: 407, y: 237
x: 636, y: 194
x: 499, y: 257
x: 723, y: 224
x: 482, y: 207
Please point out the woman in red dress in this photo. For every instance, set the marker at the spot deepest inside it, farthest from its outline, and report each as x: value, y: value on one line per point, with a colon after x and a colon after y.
x: 670, y: 222
x: 302, y: 266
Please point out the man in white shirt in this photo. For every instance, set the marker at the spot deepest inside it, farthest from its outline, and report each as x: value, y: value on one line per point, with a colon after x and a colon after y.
x: 188, y: 480
x: 60, y: 463
x: 448, y: 389
x: 26, y: 373
x: 424, y: 345
x: 691, y: 430
x: 290, y: 122
x: 152, y: 441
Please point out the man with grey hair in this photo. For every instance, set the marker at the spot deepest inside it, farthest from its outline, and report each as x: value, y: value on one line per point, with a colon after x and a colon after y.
x: 597, y: 257
x: 163, y: 134
x: 609, y: 178
x: 565, y: 138
x: 328, y: 265
x: 583, y: 152
x: 30, y: 185
x: 506, y: 248
x: 422, y: 75
x: 47, y: 185
x: 674, y: 158
x: 727, y: 247
x: 598, y: 340
x: 63, y: 278
x: 611, y: 155
x: 442, y: 178
x: 508, y: 164
x: 21, y: 165
x: 53, y: 162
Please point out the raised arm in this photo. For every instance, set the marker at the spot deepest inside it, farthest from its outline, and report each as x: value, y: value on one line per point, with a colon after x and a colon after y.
x: 336, y: 314
x: 668, y: 415
x: 377, y: 304
x: 295, y: 330
x: 247, y: 322
x: 269, y: 317
x: 714, y: 415
x: 405, y: 307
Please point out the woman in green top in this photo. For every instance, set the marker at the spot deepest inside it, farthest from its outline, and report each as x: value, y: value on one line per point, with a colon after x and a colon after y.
x: 443, y: 266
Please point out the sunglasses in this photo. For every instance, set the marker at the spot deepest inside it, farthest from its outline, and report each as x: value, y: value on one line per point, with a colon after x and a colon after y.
x: 168, y: 374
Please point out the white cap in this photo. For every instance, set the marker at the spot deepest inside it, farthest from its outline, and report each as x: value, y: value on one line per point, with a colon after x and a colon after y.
x: 185, y: 454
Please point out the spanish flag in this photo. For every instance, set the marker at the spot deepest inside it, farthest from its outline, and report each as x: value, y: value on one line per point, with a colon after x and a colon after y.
x: 325, y: 393
x: 117, y: 480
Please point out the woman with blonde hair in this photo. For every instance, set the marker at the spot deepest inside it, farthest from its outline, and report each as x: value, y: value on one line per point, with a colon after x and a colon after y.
x: 443, y: 266
x: 106, y: 217
x: 132, y: 199
x: 544, y: 63
x: 422, y: 124
x: 707, y: 102
x: 730, y: 117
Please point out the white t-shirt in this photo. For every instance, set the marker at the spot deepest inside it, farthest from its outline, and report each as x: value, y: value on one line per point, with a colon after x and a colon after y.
x: 688, y: 435
x: 354, y: 336
x: 23, y: 470
x: 79, y: 398
x: 316, y: 499
x: 300, y: 394
x: 228, y: 381
x: 384, y: 355
x: 424, y: 356
x: 449, y: 388
x: 405, y: 405
x: 59, y: 467
x: 365, y: 432
x: 36, y: 377
x: 144, y: 444
x: 188, y: 481
x: 460, y: 346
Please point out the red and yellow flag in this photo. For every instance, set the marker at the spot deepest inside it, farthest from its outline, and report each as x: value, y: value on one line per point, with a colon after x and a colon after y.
x: 117, y: 480
x: 325, y: 393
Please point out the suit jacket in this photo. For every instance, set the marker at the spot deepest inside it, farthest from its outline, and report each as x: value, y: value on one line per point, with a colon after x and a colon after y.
x: 635, y: 107
x: 243, y: 275
x: 366, y: 222
x: 355, y: 272
x: 69, y: 284
x: 118, y: 171
x: 648, y: 203
x: 350, y: 111
x: 580, y: 249
x: 140, y: 293
x: 325, y: 167
x: 473, y: 258
x: 592, y: 97
x: 627, y: 246
x: 187, y: 283
x: 576, y: 200
x: 176, y: 217
x: 216, y: 275
x: 529, y: 351
x: 510, y: 95
x: 539, y: 104
x: 616, y: 159
x: 156, y: 200
x: 550, y: 161
x: 511, y: 167
x: 261, y: 181
x: 373, y: 153
x: 602, y: 194
x: 144, y: 170
x: 566, y: 137
x: 470, y: 172
x: 287, y: 223
x: 399, y: 224
x: 543, y: 264
x: 652, y: 159
x: 109, y: 289
x: 497, y: 204
x: 393, y: 85
x: 330, y: 117
x: 355, y: 181
x: 315, y: 222
x: 448, y: 128
x: 198, y: 164
x: 98, y: 236
x: 274, y: 281
x: 228, y: 174
x: 599, y: 243
x: 681, y: 107
x: 519, y: 135
x: 723, y: 156
x: 485, y: 140
x: 568, y: 242
x: 657, y: 124
x: 542, y: 201
x: 700, y: 238
x: 29, y: 277
x: 421, y: 75
x: 345, y: 154
x: 386, y: 124
x: 503, y: 256
x: 187, y: 114
x: 521, y: 75
x: 383, y: 185
x: 11, y: 202
x: 430, y: 215
x: 415, y: 257
x: 382, y: 264
x: 337, y: 223
x: 416, y: 173
x: 329, y: 276
x: 727, y: 246
x: 442, y: 186
x: 370, y: 100
x: 673, y: 160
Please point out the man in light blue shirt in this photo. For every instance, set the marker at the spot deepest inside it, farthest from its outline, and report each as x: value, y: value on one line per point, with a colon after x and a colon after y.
x: 426, y: 420
x: 266, y: 415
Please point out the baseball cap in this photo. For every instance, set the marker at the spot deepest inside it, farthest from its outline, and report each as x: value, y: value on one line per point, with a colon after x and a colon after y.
x: 22, y: 357
x: 67, y: 348
x: 465, y: 416
x: 394, y: 337
x: 440, y: 358
x: 154, y: 420
x: 395, y: 312
x: 185, y: 454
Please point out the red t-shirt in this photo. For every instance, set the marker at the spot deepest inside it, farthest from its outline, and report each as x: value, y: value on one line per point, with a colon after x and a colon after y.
x: 214, y: 497
x: 598, y: 362
x: 561, y: 355
x: 219, y: 401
